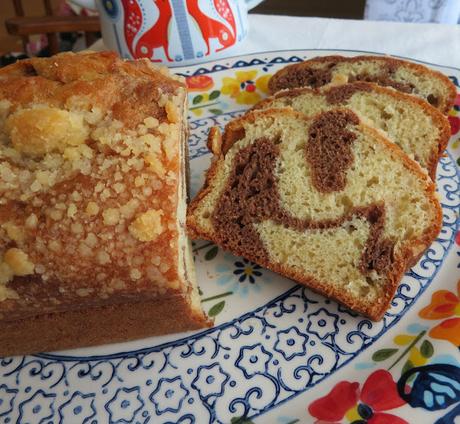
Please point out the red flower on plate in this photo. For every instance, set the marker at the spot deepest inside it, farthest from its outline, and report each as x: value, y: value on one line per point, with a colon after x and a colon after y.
x: 454, y: 124
x: 453, y: 117
x: 199, y: 83
x: 365, y: 405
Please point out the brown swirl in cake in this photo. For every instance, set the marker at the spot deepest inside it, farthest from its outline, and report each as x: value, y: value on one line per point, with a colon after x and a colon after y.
x: 340, y: 94
x: 303, y: 77
x: 329, y: 149
x: 251, y: 196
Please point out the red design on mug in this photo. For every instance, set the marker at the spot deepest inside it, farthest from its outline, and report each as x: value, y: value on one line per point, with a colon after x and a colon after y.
x: 132, y: 22
x: 147, y: 25
x: 142, y: 43
x: 211, y: 28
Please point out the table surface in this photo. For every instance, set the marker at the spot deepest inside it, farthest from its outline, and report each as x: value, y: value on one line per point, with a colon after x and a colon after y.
x: 435, y: 43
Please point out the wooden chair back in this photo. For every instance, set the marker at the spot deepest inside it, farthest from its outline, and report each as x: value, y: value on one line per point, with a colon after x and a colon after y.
x: 51, y: 25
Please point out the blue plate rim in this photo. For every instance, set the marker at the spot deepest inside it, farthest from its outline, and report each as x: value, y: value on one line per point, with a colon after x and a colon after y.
x: 241, y: 56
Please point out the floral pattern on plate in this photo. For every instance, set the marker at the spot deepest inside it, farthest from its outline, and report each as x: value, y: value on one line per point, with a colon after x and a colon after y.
x: 277, y: 348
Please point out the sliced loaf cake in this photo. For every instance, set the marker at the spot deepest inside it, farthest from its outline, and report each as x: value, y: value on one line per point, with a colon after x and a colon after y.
x: 402, y: 75
x: 326, y: 200
x: 419, y: 129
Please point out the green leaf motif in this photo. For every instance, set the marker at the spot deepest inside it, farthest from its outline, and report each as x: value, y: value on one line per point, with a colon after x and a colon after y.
x: 197, y: 99
x: 214, y: 95
x: 426, y: 349
x: 215, y: 111
x: 216, y: 309
x: 407, y: 366
x: 240, y: 420
x: 211, y: 253
x: 383, y: 354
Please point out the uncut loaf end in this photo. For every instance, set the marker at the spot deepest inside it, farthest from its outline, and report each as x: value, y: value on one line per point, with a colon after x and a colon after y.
x: 92, y: 204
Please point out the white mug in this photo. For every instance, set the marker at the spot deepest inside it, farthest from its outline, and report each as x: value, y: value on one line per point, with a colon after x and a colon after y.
x: 172, y: 32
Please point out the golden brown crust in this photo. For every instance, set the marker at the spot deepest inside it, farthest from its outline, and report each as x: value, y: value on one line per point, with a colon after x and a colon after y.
x: 90, y: 225
x: 437, y: 117
x: 446, y: 105
x: 99, y: 325
x: 130, y: 90
x: 91, y: 191
x: 406, y: 259
x: 214, y: 142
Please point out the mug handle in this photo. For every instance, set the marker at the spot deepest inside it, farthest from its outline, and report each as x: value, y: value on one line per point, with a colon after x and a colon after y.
x: 250, y: 4
x: 87, y: 4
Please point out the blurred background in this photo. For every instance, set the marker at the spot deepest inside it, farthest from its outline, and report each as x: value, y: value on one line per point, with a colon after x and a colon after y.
x: 43, y: 27
x: 349, y: 9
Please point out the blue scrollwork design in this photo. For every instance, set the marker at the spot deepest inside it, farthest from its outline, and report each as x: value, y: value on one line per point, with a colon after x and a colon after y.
x: 169, y: 395
x: 124, y: 405
x: 79, y: 407
x: 6, y: 399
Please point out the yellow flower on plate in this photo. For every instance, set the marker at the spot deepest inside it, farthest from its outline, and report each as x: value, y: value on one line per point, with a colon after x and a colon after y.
x: 245, y: 88
x: 197, y: 112
x: 262, y: 83
x: 352, y: 414
x: 403, y: 339
x: 416, y: 357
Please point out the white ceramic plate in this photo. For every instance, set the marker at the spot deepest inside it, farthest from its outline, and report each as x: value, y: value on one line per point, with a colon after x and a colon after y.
x: 279, y: 353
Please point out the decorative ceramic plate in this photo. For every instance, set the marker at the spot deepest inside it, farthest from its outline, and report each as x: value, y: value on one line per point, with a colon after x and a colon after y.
x: 278, y: 353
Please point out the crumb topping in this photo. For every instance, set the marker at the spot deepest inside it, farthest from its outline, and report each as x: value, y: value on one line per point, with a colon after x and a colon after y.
x: 36, y: 131
x: 147, y: 226
x: 88, y: 180
x: 18, y: 262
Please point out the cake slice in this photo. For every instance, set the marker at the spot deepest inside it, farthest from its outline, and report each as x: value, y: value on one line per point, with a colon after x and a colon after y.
x: 324, y: 200
x: 418, y: 128
x: 93, y: 247
x: 401, y: 75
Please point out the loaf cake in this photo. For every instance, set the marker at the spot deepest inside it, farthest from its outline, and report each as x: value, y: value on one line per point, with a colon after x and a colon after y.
x: 93, y: 247
x: 418, y: 128
x: 401, y: 75
x: 325, y: 200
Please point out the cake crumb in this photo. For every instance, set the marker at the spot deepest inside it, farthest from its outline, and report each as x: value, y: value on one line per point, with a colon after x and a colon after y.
x: 111, y: 216
x: 91, y: 240
x: 76, y: 228
x: 135, y: 274
x: 92, y: 208
x: 6, y: 273
x: 151, y: 122
x: 14, y: 232
x: 7, y: 293
x: 18, y: 261
x: 172, y: 112
x: 103, y: 257
x: 71, y: 210
x: 147, y: 226
x: 139, y: 181
x: 55, y: 246
x: 155, y: 164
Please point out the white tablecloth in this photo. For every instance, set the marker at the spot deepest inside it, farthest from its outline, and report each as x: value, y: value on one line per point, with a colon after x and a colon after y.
x: 435, y: 43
